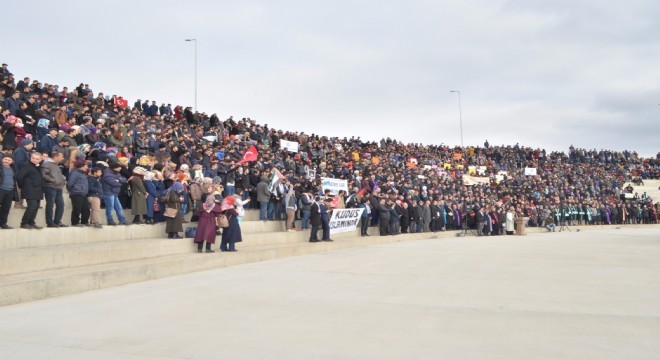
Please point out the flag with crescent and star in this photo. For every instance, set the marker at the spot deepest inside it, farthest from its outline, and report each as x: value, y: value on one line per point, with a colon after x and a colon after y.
x: 250, y: 155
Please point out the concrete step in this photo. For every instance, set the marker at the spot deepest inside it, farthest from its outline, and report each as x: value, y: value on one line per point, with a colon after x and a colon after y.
x: 20, y: 238
x: 35, y: 285
x: 51, y: 249
x: 65, y: 256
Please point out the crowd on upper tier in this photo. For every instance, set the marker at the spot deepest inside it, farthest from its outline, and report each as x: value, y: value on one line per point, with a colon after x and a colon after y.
x: 134, y: 155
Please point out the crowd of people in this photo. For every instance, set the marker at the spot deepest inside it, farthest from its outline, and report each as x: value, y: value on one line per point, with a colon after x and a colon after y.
x: 164, y: 162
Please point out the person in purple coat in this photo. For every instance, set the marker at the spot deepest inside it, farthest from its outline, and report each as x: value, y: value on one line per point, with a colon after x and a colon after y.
x: 206, y: 224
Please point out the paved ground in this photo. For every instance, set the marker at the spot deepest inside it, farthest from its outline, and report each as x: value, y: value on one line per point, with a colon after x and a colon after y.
x: 586, y: 295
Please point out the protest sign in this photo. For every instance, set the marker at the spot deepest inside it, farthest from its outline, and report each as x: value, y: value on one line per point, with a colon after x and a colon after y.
x: 291, y: 146
x: 530, y: 171
x: 334, y: 185
x: 344, y: 220
x: 474, y: 180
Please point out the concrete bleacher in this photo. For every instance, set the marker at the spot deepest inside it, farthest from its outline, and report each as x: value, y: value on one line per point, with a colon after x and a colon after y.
x: 39, y: 264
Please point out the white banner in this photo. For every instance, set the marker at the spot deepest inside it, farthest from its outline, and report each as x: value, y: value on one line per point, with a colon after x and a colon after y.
x: 530, y: 171
x: 334, y: 185
x: 344, y: 220
x: 291, y: 146
x: 474, y: 180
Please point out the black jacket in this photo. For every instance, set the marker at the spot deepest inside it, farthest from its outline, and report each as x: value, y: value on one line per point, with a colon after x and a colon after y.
x: 95, y: 188
x: 315, y: 215
x: 413, y: 213
x: 31, y: 182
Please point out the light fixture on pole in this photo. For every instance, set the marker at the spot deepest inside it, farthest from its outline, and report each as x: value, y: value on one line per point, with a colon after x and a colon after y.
x: 195, y: 41
x: 460, y: 113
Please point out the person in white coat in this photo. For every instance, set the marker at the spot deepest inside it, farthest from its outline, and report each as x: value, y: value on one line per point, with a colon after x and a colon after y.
x: 239, y: 203
x: 510, y: 215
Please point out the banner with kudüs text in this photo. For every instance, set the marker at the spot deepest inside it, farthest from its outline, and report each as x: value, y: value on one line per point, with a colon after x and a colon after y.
x: 291, y: 146
x: 344, y: 220
x: 334, y: 185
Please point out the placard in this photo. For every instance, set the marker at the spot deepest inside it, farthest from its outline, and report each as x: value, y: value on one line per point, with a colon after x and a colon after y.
x: 344, y: 220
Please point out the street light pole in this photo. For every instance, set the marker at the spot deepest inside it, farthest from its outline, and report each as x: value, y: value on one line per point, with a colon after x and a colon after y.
x: 195, y: 41
x: 460, y: 113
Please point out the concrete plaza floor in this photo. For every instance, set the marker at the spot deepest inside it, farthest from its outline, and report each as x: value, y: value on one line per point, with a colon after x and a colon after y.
x: 578, y: 295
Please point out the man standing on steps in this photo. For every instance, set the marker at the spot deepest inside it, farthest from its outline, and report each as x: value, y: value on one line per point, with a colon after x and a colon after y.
x: 112, y: 181
x: 94, y: 195
x: 364, y: 222
x: 30, y: 180
x: 324, y: 209
x: 263, y: 197
x: 22, y: 158
x: 7, y: 189
x: 481, y: 221
x: 54, y: 182
x: 78, y: 187
x: 315, y: 220
x: 383, y: 217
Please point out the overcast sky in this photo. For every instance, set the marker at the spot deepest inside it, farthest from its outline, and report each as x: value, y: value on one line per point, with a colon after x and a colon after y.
x: 542, y: 73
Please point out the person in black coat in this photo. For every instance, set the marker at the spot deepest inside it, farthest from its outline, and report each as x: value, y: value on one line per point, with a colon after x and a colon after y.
x: 400, y: 214
x: 405, y: 218
x: 413, y: 214
x: 324, y: 209
x: 435, y: 215
x: 315, y: 220
x: 393, y: 221
x: 383, y: 217
x: 31, y: 182
x: 231, y: 234
x: 366, y: 213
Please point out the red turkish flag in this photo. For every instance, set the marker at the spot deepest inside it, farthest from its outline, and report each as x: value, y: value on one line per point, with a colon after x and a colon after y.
x: 250, y: 155
x: 120, y: 102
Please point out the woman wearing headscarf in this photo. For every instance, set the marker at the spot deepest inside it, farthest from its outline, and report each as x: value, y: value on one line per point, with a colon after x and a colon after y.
x: 160, y: 190
x: 174, y: 225
x: 140, y: 195
x: 152, y: 195
x: 206, y: 225
x: 231, y: 234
